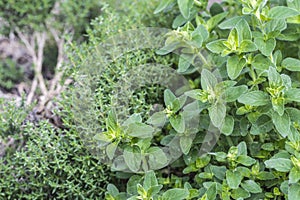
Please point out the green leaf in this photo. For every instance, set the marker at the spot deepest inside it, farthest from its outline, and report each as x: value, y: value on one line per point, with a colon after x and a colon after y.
x: 112, y: 189
x: 240, y: 194
x: 244, y: 171
x: 274, y: 77
x: 208, y: 80
x: 294, y: 192
x: 294, y: 4
x: 216, y: 46
x: 293, y: 94
x: 163, y: 5
x: 278, y: 105
x: 233, y: 40
x: 254, y: 98
x: 294, y: 175
x: 245, y: 160
x: 215, y: 20
x: 158, y: 119
x: 149, y: 180
x: 233, y: 179
x: 168, y: 48
x: 247, y: 46
x: 111, y: 121
x: 218, y: 171
x: 185, y: 61
x: 194, y: 94
x: 169, y: 98
x: 177, y: 122
x: 133, y: 158
x: 291, y: 64
x: 282, y: 123
x: 275, y: 25
x: 280, y: 164
x: 176, y: 193
x: 282, y: 12
x: 212, y: 192
x: 216, y: 8
x: 228, y: 125
x: 261, y: 63
x: 251, y: 186
x: 110, y: 150
x: 243, y: 30
x: 157, y: 158
x: 230, y: 23
x: 132, y: 183
x: 201, y: 30
x: 154, y: 190
x: 141, y: 191
x: 265, y: 47
x: 217, y: 113
x: 231, y: 94
x: 242, y: 148
x: 140, y: 130
x: 186, y: 144
x: 202, y: 161
x: 265, y: 176
x: 235, y: 66
x: 132, y: 119
x: 185, y: 7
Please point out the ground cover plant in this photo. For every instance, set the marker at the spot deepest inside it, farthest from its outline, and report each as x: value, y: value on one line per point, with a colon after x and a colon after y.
x: 232, y: 133
x: 248, y: 89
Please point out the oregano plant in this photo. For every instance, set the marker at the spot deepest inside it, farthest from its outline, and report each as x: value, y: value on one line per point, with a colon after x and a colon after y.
x: 242, y: 59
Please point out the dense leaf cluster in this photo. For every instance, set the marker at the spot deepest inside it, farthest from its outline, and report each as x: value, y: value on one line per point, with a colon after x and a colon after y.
x: 246, y: 60
x: 242, y: 60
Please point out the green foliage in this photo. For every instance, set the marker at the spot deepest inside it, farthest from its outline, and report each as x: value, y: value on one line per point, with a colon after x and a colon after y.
x: 11, y: 120
x: 52, y: 165
x: 26, y: 13
x: 34, y: 15
x: 10, y: 74
x: 254, y: 48
x: 243, y: 67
